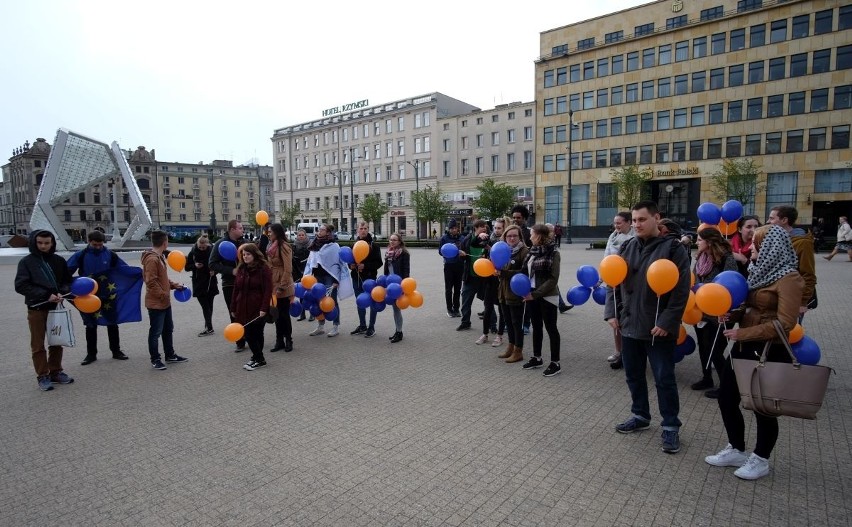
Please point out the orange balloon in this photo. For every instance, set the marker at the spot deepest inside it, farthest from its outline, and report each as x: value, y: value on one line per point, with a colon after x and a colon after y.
x: 403, y: 302
x: 95, y: 290
x: 691, y: 279
x: 378, y: 293
x: 176, y: 260
x: 690, y: 302
x: 728, y: 229
x: 681, y: 336
x: 706, y: 226
x: 88, y: 303
x: 713, y: 299
x: 234, y: 331
x: 326, y: 304
x: 613, y: 270
x: 693, y: 316
x: 415, y: 299
x: 273, y: 301
x: 320, y: 317
x: 483, y: 267
x: 360, y: 250
x: 408, y: 285
x: 261, y: 218
x: 662, y: 276
x: 796, y: 334
x: 308, y: 281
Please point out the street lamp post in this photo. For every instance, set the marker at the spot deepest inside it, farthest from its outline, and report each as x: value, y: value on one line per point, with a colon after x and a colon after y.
x: 212, y: 207
x: 570, y: 159
x: 113, y: 182
x: 351, y: 190
x: 416, y: 165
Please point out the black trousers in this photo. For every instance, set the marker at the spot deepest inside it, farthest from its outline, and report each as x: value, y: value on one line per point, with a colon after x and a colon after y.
x: 283, y: 324
x: 92, y: 339
x: 453, y: 284
x: 514, y: 317
x: 254, y: 338
x: 227, y: 290
x: 706, y: 335
x: 543, y: 313
x: 206, y: 303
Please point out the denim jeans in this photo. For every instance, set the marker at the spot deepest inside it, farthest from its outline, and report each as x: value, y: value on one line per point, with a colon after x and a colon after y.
x: 161, y: 325
x: 635, y: 354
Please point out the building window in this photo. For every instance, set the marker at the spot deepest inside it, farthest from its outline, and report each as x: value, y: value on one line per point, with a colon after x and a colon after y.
x: 819, y: 100
x: 588, y: 70
x: 682, y: 50
x: 713, y: 12
x: 801, y: 26
x: 528, y: 159
x: 777, y: 68
x: 816, y: 139
x: 603, y: 98
x: 587, y: 160
x: 664, y: 120
x: 586, y: 43
x: 798, y: 65
x: 757, y: 36
x: 821, y: 62
x: 681, y: 84
x: 633, y: 61
x: 649, y: 57
x: 676, y: 21
x: 644, y: 29
x: 528, y: 133
x: 665, y: 54
x: 618, y: 64
x: 699, y: 48
x: 839, y: 137
x: 615, y: 36
x: 755, y: 72
x: 717, y: 78
x: 587, y: 130
x: 510, y: 162
x: 823, y: 21
x: 737, y: 39
x: 735, y: 111
x: 696, y: 150
x: 600, y: 158
x: 575, y: 73
x: 633, y: 92
x: 617, y: 94
x: 548, y: 107
x: 843, y: 97
x: 795, y: 140
x: 735, y: 75
x: 796, y: 103
x: 844, y: 21
x: 631, y: 124
x: 646, y: 153
x: 648, y: 122
x: 615, y: 157
x: 836, y: 180
x: 717, y: 44
x: 714, y: 148
x: 495, y: 164
x: 775, y: 106
x: 773, y: 143
x: 603, y: 67
x: 630, y: 155
x: 561, y: 76
x: 844, y: 58
x: 780, y: 189
x: 698, y: 81
x: 778, y: 31
x: 733, y: 146
x: 680, y: 118
x: 664, y: 87
x: 615, y: 126
x: 752, y: 146
x: 679, y: 151
x: 600, y: 129
x: 647, y: 90
x: 716, y: 113
x: 588, y: 100
x: 697, y: 115
x: 747, y: 5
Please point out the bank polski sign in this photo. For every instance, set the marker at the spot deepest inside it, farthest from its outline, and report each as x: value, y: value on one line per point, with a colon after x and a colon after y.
x: 348, y: 107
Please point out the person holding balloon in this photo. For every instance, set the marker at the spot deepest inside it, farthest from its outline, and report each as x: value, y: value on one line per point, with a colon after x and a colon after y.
x: 223, y: 261
x: 714, y: 256
x: 449, y: 247
x: 774, y: 293
x: 300, y: 258
x: 622, y: 231
x: 474, y: 246
x: 205, y: 286
x: 653, y: 292
x: 251, y: 300
x: 785, y: 216
x: 366, y: 269
x: 325, y: 265
x: 158, y: 302
x: 279, y: 254
x: 490, y: 320
x: 741, y: 242
x: 397, y: 262
x: 542, y: 267
x: 513, y: 287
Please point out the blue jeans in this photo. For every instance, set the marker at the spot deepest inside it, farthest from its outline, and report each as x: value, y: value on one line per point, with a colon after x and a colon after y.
x: 362, y: 312
x: 635, y: 354
x: 161, y: 325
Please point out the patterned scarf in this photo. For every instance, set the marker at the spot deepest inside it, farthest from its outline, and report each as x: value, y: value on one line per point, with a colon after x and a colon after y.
x: 542, y: 256
x: 703, y: 264
x: 319, y: 241
x: 775, y: 259
x: 393, y: 254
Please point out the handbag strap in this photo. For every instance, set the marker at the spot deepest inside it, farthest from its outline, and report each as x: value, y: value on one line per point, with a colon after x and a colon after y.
x: 782, y: 336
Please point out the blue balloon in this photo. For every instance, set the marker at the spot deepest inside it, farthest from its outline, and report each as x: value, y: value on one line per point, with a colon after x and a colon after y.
x: 697, y: 286
x: 500, y: 254
x: 228, y: 250
x: 394, y: 279
x: 393, y: 291
x: 333, y: 314
x: 182, y: 295
x: 315, y: 310
x: 709, y: 213
x: 599, y: 295
x: 309, y: 301
x: 579, y: 295
x: 588, y: 275
x: 736, y: 284
x: 378, y: 307
x: 449, y: 250
x: 688, y: 346
x: 300, y: 290
x: 364, y: 301
x: 296, y: 309
x: 807, y: 351
x: 732, y: 211
x: 318, y: 291
x: 382, y: 280
x: 520, y: 284
x: 368, y: 285
x: 83, y: 286
x: 678, y: 355
x: 346, y: 255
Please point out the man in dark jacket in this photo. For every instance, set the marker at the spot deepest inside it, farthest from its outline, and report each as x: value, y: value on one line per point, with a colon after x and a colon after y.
x: 43, y: 279
x: 227, y: 268
x: 453, y: 270
x: 94, y: 260
x: 649, y: 324
x: 368, y: 269
x: 474, y: 246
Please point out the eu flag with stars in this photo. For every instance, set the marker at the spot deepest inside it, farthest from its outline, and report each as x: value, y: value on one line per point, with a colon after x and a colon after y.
x: 120, y: 291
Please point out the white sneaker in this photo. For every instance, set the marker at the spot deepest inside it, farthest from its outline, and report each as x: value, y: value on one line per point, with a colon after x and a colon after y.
x: 755, y: 468
x: 615, y: 357
x: 498, y: 341
x: 318, y: 331
x: 335, y: 330
x: 481, y: 340
x: 727, y: 457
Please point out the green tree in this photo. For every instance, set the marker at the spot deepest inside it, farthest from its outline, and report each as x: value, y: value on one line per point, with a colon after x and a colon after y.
x: 429, y: 205
x: 495, y: 199
x: 373, y: 209
x: 289, y: 213
x: 631, y: 182
x: 328, y: 213
x: 739, y: 179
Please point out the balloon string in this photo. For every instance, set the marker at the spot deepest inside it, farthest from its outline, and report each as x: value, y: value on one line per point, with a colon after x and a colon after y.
x: 254, y: 319
x: 712, y: 348
x: 656, y: 316
x: 46, y: 301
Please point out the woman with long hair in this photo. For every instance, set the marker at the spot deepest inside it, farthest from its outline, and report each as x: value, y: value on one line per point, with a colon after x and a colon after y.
x: 741, y: 242
x: 713, y: 256
x: 325, y: 265
x: 280, y: 256
x: 398, y: 262
x: 250, y: 299
x: 300, y: 258
x: 542, y: 267
x: 774, y: 293
x: 511, y: 305
x: 205, y: 285
x: 491, y: 320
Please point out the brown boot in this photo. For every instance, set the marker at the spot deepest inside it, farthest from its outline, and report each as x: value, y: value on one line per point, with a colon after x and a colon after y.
x: 517, y: 355
x: 506, y: 354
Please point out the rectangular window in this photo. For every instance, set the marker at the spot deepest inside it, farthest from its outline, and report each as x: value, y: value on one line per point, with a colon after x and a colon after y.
x: 713, y: 12
x: 615, y: 36
x: 665, y: 54
x: 778, y: 31
x: 682, y: 50
x: 587, y: 160
x: 843, y: 97
x: 819, y: 100
x: 588, y: 132
x: 844, y: 21
x: 617, y: 94
x: 714, y: 148
x: 480, y: 165
x: 681, y: 84
x: 664, y: 120
x: 836, y: 180
x: 747, y: 5
x: 588, y: 100
x: 644, y: 29
x: 528, y: 159
x: 647, y: 122
x: 495, y: 138
x: 798, y: 64
x: 843, y: 61
x: 801, y: 26
x: 603, y: 98
x: 586, y: 43
x: 588, y: 70
x: 547, y: 137
x: 632, y: 92
x: 840, y: 137
x: 716, y: 113
x: 777, y: 68
x: 717, y: 44
x: 618, y: 64
x: 575, y: 73
x: 575, y: 102
x: 600, y: 128
x: 528, y: 133
x: 717, y: 78
x: 755, y: 72
x: 631, y: 124
x: 680, y: 118
x: 615, y: 126
x: 603, y: 67
x: 560, y: 133
x: 646, y: 154
x: 699, y: 48
x: 780, y: 189
x: 647, y: 90
x: 775, y: 106
x: 549, y: 80
x: 735, y: 111
x: 630, y: 155
x: 676, y: 21
x: 600, y: 158
x: 698, y: 81
x: 733, y: 146
x: 649, y: 57
x: 795, y: 140
x: 495, y: 164
x: 816, y: 139
x: 697, y: 115
x: 664, y: 87
x: 510, y: 162
x: 823, y: 21
x: 737, y: 39
x: 757, y: 36
x: 752, y: 146
x: 679, y: 151
x: 615, y: 157
x: 821, y: 62
x: 663, y: 153
x: 796, y: 103
x: 561, y: 76
x: 633, y: 61
x: 773, y: 143
x: 696, y: 150
x: 735, y: 75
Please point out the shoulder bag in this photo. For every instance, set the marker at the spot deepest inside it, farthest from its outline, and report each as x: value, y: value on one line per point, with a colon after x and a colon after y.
x: 781, y: 388
x: 60, y: 329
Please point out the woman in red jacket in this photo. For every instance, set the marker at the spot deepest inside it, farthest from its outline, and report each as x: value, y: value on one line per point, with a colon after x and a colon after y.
x: 250, y: 300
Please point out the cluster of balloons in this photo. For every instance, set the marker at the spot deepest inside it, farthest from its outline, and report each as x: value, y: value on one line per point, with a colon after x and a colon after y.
x: 723, y: 218
x: 590, y: 287
x: 389, y: 290
x: 804, y: 347
x: 499, y: 255
x: 84, y: 290
x: 313, y: 297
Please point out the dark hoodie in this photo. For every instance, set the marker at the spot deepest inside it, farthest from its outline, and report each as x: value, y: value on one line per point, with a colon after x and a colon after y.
x: 42, y: 274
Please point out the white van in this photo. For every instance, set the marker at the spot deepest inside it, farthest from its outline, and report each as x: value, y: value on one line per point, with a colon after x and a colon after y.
x: 310, y: 229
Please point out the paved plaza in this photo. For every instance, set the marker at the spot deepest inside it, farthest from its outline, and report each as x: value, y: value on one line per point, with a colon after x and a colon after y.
x: 433, y: 430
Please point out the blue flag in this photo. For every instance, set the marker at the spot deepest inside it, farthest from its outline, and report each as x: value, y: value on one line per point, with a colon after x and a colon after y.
x: 120, y: 291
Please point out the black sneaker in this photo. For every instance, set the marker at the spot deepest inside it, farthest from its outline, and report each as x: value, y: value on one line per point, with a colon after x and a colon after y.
x: 456, y: 314
x: 564, y: 308
x: 176, y: 358
x: 632, y: 425
x: 253, y: 365
x: 208, y: 331
x: 703, y: 384
x: 533, y: 363
x: 158, y: 365
x: 358, y: 330
x: 463, y: 326
x: 239, y: 349
x: 712, y: 394
x: 450, y: 314
x: 671, y: 441
x: 552, y: 369
x: 369, y: 333
x: 617, y: 365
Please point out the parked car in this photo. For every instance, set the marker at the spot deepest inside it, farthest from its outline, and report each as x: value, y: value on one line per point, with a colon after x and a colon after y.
x: 345, y: 236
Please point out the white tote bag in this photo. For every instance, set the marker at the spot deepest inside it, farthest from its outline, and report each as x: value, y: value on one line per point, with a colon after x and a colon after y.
x: 60, y: 329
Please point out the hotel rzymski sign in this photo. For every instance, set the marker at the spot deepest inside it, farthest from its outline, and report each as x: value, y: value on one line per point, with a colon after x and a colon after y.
x: 348, y: 107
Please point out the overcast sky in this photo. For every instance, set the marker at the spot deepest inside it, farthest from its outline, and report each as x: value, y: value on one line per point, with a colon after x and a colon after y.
x: 199, y: 81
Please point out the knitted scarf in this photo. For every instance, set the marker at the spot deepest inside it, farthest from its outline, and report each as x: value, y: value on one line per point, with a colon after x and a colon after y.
x: 542, y: 256
x: 775, y: 259
x: 393, y: 254
x: 319, y: 241
x: 703, y: 264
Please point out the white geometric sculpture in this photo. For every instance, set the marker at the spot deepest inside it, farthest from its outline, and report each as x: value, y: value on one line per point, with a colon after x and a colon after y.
x: 76, y: 163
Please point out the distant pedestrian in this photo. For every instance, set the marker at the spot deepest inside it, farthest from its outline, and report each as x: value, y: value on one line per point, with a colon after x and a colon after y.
x: 844, y: 240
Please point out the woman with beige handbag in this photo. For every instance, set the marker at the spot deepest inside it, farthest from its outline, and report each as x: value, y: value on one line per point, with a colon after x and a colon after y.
x: 775, y: 292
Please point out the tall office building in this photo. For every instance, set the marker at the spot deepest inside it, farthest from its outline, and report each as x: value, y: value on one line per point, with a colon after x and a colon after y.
x: 680, y: 86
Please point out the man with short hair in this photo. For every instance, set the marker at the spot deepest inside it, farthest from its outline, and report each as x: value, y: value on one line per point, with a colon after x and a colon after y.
x: 649, y: 324
x: 368, y: 269
x: 785, y: 217
x: 158, y: 301
x: 43, y: 279
x: 227, y: 268
x: 453, y: 270
x: 474, y: 246
x: 92, y: 261
x: 520, y: 216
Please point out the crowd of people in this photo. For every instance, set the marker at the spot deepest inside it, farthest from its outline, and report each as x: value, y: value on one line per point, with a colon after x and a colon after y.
x: 258, y: 286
